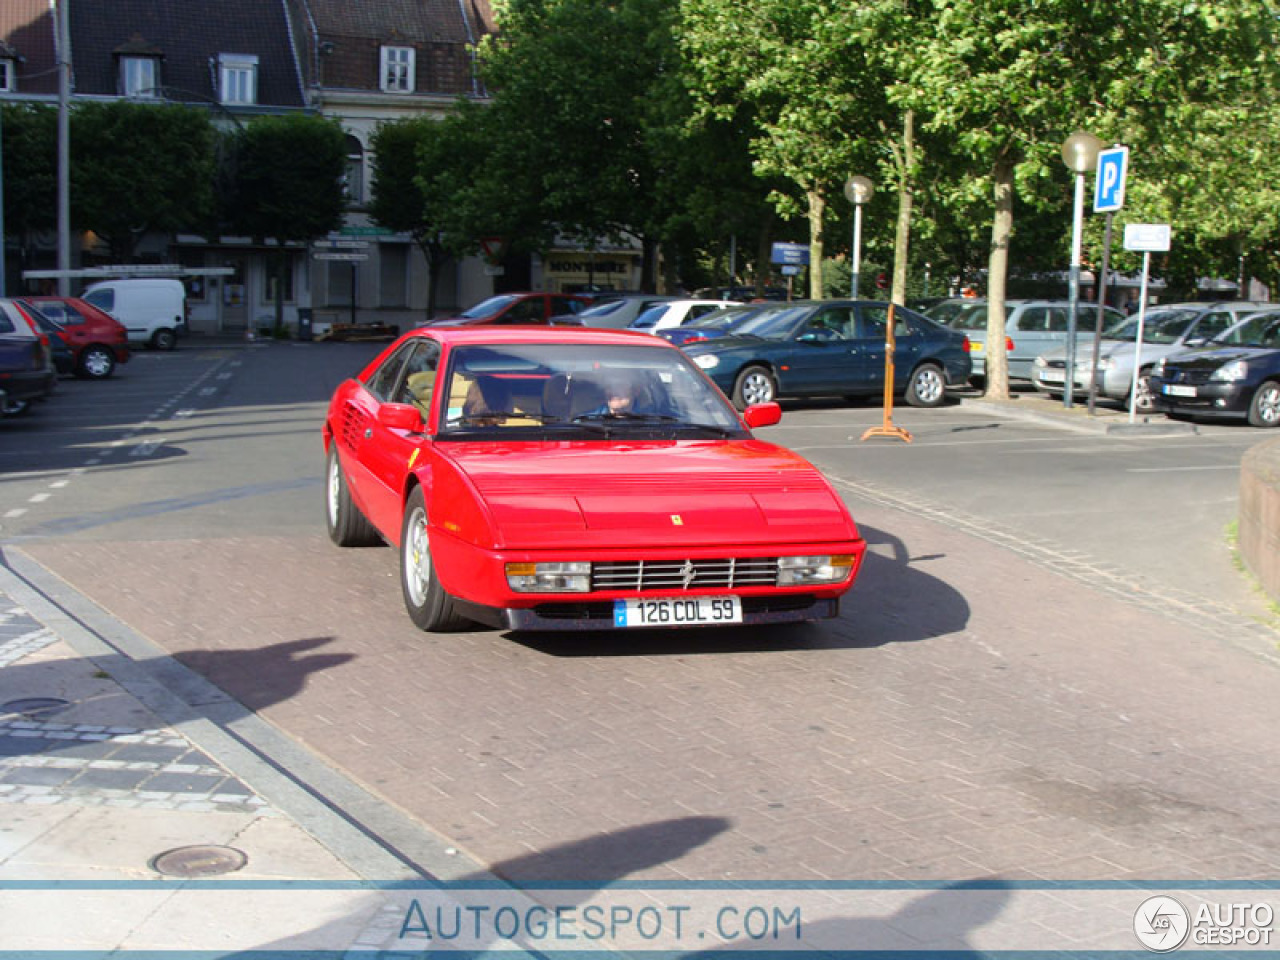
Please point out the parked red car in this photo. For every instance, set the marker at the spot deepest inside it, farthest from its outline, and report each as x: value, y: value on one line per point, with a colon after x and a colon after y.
x: 575, y: 478
x: 516, y: 308
x: 97, y: 340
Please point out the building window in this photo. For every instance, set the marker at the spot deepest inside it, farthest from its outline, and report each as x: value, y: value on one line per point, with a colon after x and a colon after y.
x: 8, y: 77
x: 397, y: 69
x: 353, y: 178
x: 139, y: 77
x: 237, y: 78
x: 273, y: 267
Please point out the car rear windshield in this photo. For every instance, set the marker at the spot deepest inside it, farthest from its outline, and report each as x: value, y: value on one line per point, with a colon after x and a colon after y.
x: 487, y: 308
x: 1160, y: 326
x: 1260, y: 330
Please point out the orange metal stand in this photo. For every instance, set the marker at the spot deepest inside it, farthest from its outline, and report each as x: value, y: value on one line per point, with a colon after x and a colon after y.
x: 887, y: 429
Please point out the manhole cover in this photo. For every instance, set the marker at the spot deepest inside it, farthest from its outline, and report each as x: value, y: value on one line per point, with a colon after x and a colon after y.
x: 199, y: 861
x: 35, y: 706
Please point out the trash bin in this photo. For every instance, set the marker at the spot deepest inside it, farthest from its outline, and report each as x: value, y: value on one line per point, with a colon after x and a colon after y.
x: 304, y: 323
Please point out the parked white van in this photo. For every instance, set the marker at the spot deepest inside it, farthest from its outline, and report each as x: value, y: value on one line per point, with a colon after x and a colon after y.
x: 154, y: 311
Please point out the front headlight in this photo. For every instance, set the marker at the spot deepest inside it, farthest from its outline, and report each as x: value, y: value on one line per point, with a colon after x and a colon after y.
x: 1106, y: 363
x: 1235, y: 370
x: 1158, y: 369
x: 554, y: 577
x: 707, y: 361
x: 797, y: 571
x: 1041, y: 362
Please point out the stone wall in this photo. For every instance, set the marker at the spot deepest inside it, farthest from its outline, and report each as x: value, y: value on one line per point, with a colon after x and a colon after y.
x: 1260, y: 514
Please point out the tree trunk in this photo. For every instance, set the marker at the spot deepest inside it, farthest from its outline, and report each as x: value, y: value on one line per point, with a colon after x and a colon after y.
x: 817, y: 209
x: 906, y: 199
x: 997, y: 362
x: 648, y: 265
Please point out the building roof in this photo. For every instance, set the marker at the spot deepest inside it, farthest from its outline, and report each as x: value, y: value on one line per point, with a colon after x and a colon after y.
x: 188, y: 35
x: 428, y: 21
x: 27, y: 27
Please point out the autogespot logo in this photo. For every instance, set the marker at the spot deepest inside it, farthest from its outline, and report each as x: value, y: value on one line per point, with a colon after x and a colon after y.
x: 1161, y: 924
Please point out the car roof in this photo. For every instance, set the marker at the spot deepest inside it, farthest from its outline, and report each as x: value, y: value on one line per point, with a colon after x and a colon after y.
x: 483, y: 333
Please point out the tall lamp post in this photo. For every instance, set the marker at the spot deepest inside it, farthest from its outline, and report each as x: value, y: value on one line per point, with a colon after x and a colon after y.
x: 1080, y: 154
x: 857, y: 190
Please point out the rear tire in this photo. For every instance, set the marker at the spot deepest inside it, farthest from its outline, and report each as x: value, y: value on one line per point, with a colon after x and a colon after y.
x: 96, y: 363
x: 164, y: 339
x: 754, y: 385
x: 1264, y: 409
x: 348, y: 527
x: 428, y: 604
x: 928, y: 386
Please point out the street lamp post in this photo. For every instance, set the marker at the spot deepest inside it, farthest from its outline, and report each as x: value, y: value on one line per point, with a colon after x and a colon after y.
x: 1080, y: 154
x: 857, y: 190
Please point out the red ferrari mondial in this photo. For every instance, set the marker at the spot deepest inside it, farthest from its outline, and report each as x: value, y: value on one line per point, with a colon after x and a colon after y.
x: 564, y: 478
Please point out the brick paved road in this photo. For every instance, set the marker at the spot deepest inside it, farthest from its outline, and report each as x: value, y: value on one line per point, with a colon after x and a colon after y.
x: 972, y: 713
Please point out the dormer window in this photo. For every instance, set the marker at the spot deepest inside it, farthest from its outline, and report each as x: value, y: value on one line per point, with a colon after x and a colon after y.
x: 8, y: 76
x: 237, y: 78
x: 397, y: 69
x: 139, y: 77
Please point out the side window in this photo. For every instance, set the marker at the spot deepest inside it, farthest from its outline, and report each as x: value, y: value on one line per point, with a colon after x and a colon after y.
x: 872, y: 320
x: 1212, y: 324
x: 564, y: 305
x: 384, y: 379
x: 6, y: 325
x: 102, y: 299
x: 831, y: 324
x: 701, y: 310
x: 419, y: 376
x: 526, y: 311
x: 70, y: 315
x: 1033, y: 320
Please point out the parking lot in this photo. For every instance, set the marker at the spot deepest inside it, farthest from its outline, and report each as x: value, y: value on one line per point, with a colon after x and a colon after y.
x: 1049, y: 667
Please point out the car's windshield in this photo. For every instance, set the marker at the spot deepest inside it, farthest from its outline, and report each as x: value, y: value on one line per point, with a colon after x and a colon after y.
x: 580, y: 390
x: 727, y: 316
x: 1260, y: 330
x: 772, y: 323
x: 487, y: 308
x: 649, y: 318
x: 967, y: 316
x: 1159, y: 326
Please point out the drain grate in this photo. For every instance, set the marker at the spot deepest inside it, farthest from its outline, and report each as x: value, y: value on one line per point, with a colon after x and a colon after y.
x: 34, y: 707
x: 201, y: 860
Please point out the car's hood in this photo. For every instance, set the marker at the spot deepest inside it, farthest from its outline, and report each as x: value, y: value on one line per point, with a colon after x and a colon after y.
x: 1210, y: 358
x: 737, y: 492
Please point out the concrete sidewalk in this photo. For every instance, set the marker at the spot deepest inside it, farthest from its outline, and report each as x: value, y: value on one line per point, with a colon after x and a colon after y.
x: 1106, y: 418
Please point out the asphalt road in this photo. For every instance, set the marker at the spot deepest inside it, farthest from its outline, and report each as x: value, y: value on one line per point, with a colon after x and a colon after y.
x: 1049, y: 667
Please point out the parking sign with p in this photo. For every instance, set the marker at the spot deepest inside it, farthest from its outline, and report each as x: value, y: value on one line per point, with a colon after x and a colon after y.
x: 1108, y: 189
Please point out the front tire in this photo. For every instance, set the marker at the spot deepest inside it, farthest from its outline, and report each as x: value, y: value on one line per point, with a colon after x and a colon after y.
x: 1264, y: 409
x: 428, y: 605
x: 928, y: 386
x: 754, y: 385
x: 164, y: 339
x: 96, y: 363
x: 1143, y: 401
x: 348, y: 527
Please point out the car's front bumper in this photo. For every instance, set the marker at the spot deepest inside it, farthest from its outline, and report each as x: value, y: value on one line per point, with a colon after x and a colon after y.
x: 1213, y: 399
x: 599, y: 614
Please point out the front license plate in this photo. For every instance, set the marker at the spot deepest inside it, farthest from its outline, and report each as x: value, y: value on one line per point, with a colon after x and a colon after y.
x: 1178, y: 390
x: 676, y: 611
x: 1052, y: 376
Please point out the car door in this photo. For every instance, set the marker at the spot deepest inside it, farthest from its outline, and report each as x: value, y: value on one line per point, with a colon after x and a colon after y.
x: 353, y: 429
x: 1035, y: 330
x: 821, y: 355
x: 873, y: 318
x: 388, y: 452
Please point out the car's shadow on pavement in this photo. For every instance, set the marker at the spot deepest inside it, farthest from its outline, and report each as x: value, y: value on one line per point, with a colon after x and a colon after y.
x: 893, y: 600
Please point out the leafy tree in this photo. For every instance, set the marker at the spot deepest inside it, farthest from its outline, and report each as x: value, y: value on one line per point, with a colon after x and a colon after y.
x: 30, y: 156
x: 288, y: 184
x: 136, y: 168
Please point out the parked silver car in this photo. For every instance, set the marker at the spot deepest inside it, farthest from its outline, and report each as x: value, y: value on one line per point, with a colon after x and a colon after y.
x: 1166, y: 330
x: 1032, y: 327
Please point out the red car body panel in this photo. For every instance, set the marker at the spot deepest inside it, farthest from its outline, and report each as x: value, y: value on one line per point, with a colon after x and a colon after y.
x: 99, y: 327
x: 492, y: 503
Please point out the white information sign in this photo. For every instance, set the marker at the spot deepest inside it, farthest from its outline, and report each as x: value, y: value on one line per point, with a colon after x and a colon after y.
x: 1148, y: 237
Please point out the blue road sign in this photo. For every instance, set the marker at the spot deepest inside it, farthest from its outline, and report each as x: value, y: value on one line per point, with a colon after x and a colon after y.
x: 1108, y: 189
x: 790, y: 253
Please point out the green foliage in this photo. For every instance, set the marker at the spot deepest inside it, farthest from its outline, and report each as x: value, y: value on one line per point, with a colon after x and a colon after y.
x: 288, y: 178
x: 30, y: 156
x: 139, y: 167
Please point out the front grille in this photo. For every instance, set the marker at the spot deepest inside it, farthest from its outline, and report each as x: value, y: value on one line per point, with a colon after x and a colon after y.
x: 1193, y: 376
x: 699, y: 574
x: 1056, y: 364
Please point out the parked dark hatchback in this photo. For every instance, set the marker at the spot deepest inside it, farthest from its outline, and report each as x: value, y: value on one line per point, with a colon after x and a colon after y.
x: 1236, y: 375
x: 96, y: 341
x: 833, y: 347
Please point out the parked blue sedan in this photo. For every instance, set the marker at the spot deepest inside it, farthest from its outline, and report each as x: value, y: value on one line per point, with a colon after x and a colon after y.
x: 834, y: 348
x: 711, y: 325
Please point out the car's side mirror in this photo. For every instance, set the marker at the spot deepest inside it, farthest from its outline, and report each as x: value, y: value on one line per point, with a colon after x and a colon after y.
x: 762, y: 415
x: 401, y: 416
